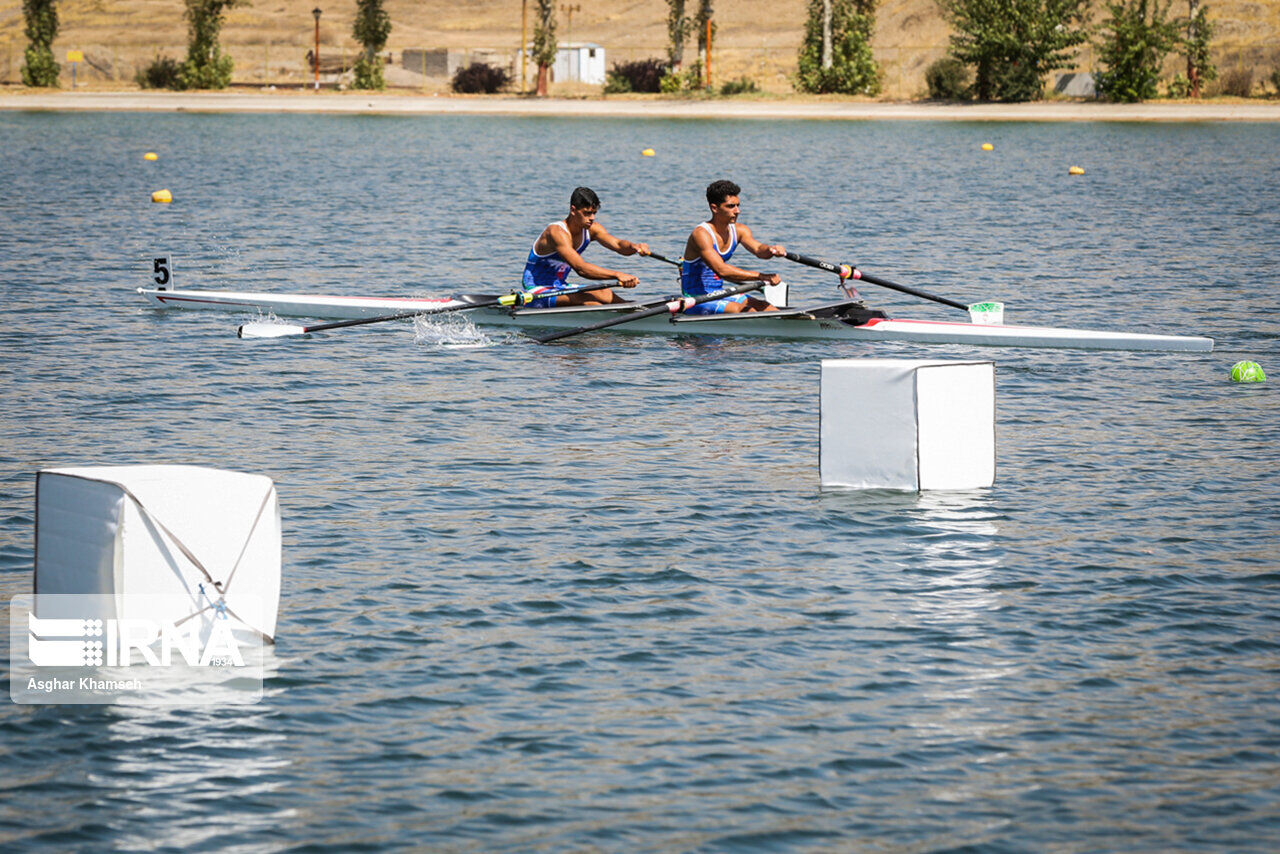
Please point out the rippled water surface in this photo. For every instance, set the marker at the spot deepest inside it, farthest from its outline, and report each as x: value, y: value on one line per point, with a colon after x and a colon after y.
x: 590, y: 596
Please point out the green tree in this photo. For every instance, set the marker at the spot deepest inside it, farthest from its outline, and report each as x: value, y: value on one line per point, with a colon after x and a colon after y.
x: 1135, y: 41
x: 206, y: 66
x: 371, y: 28
x: 544, y: 42
x: 1013, y: 44
x: 1200, y: 67
x: 835, y: 55
x: 40, y: 69
x: 678, y: 27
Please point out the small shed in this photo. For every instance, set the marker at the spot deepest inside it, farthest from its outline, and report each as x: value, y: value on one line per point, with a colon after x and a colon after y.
x: 581, y: 63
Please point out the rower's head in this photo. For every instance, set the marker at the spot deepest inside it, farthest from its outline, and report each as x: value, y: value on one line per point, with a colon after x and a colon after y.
x: 584, y: 204
x: 722, y: 196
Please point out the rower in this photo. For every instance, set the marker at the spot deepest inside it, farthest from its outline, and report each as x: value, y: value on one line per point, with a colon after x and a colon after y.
x: 710, y: 247
x: 559, y: 249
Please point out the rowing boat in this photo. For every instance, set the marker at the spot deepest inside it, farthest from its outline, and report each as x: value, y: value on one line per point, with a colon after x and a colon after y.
x: 840, y: 321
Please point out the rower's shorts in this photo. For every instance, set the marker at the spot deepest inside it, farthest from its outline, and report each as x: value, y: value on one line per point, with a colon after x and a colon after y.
x: 716, y: 306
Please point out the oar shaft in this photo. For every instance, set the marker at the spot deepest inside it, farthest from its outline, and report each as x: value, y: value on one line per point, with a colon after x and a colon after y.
x: 854, y: 273
x: 664, y: 258
x: 403, y: 315
x: 674, y: 307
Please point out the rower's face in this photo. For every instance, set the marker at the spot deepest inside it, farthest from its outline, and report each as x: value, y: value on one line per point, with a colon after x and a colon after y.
x: 728, y: 208
x: 583, y: 217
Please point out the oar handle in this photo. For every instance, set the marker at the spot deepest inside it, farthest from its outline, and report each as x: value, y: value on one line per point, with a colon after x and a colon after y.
x: 674, y: 307
x: 849, y: 271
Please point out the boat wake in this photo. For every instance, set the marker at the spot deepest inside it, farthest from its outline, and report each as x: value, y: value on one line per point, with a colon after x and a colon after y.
x: 449, y: 330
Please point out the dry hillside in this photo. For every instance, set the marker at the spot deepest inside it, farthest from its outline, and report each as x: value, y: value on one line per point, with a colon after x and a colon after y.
x: 758, y: 38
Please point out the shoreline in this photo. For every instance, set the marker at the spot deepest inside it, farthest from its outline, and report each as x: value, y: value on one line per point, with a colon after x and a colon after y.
x: 348, y: 103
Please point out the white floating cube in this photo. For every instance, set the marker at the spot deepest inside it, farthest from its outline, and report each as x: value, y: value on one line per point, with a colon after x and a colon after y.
x: 192, y: 535
x: 907, y: 424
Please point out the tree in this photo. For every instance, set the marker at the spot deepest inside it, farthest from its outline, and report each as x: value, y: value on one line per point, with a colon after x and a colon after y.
x: 1137, y: 38
x: 678, y: 27
x: 206, y: 66
x: 835, y: 55
x: 1200, y: 66
x: 544, y: 42
x: 1013, y: 44
x: 371, y: 28
x: 41, y: 69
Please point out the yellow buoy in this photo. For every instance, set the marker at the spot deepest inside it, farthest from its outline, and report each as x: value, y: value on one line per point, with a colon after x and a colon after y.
x: 986, y: 146
x: 1075, y: 170
x: 648, y: 152
x: 151, y: 155
x: 162, y: 196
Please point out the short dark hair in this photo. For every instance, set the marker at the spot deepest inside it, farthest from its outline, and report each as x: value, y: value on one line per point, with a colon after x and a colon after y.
x: 718, y: 191
x: 584, y: 197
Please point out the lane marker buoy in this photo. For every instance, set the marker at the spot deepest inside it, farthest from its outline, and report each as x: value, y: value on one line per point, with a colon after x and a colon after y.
x: 1248, y: 372
x: 163, y: 196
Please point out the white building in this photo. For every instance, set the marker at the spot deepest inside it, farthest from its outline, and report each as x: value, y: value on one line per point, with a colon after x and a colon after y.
x: 580, y: 62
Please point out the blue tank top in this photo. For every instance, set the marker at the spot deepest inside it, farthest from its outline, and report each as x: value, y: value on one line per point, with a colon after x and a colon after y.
x: 550, y: 271
x: 696, y: 278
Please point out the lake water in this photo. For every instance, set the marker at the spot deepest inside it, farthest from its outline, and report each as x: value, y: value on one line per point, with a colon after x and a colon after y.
x: 590, y: 596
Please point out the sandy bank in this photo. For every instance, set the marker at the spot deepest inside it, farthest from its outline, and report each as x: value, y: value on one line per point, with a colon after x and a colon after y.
x: 398, y: 104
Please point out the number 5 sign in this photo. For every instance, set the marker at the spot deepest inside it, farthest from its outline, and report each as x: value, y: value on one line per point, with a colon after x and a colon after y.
x: 162, y: 272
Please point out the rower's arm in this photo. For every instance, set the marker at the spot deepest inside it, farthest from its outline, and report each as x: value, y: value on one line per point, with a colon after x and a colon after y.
x: 707, y: 251
x: 584, y: 268
x: 756, y: 248
x: 623, y: 247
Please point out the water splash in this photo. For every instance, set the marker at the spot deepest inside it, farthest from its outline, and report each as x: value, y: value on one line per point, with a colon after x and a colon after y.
x: 449, y: 330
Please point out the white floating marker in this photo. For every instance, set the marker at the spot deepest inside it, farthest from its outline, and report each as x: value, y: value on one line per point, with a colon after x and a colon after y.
x: 196, y: 539
x: 907, y: 424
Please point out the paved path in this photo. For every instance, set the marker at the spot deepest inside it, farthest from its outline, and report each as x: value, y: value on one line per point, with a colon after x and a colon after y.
x: 356, y: 102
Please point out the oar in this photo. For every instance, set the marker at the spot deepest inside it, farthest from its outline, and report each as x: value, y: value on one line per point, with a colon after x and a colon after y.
x: 282, y: 330
x: 848, y: 271
x: 664, y: 258
x: 675, y: 306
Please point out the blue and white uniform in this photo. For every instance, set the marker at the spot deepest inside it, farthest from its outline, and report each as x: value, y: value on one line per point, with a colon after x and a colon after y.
x: 697, y: 279
x: 551, y: 270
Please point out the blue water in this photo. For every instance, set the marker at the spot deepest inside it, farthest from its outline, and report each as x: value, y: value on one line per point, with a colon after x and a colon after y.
x: 590, y: 596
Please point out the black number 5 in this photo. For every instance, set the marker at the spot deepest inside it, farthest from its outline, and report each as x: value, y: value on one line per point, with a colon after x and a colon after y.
x: 162, y: 271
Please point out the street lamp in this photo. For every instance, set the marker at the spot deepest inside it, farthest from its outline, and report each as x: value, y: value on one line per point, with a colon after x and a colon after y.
x: 316, y: 56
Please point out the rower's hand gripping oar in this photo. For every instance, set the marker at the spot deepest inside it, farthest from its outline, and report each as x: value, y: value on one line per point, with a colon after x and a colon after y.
x: 675, y: 306
x: 282, y: 330
x: 848, y: 271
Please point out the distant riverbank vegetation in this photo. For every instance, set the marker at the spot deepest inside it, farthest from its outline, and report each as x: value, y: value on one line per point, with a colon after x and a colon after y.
x: 975, y: 50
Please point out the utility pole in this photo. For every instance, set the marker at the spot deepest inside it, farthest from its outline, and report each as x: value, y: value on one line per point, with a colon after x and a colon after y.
x: 524, y: 42
x: 316, y: 12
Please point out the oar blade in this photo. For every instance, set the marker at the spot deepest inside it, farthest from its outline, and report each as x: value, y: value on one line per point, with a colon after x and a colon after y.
x: 270, y: 330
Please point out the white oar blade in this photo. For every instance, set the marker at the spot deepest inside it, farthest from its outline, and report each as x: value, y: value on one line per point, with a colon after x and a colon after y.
x: 270, y: 330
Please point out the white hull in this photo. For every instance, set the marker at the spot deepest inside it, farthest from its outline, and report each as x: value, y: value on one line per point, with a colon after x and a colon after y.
x: 791, y: 324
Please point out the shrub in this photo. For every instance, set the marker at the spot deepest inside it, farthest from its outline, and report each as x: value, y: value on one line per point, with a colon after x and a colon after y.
x: 689, y: 80
x: 480, y: 77
x: 41, y: 69
x: 161, y: 73
x: 1275, y: 80
x: 743, y: 85
x: 1178, y: 87
x: 1238, y: 82
x: 948, y: 79
x: 642, y: 75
